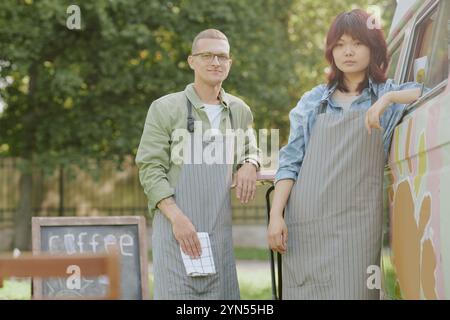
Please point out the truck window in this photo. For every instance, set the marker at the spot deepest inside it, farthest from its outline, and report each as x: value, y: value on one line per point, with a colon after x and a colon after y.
x: 429, y: 62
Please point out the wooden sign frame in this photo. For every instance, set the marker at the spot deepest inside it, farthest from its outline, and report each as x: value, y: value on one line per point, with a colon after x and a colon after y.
x: 139, y: 221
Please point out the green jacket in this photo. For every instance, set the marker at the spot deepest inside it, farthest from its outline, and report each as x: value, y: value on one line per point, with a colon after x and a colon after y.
x: 158, y: 173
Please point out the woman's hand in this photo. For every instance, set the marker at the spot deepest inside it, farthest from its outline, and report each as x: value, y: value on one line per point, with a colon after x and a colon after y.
x: 277, y: 233
x: 375, y: 112
x: 402, y: 97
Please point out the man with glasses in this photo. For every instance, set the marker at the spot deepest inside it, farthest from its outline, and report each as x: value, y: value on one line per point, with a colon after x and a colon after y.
x: 195, y: 196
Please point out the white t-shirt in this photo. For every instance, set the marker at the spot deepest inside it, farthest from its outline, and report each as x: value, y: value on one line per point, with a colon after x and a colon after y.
x: 214, y: 111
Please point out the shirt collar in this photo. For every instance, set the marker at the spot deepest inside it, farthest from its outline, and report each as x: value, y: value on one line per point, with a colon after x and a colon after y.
x: 330, y: 90
x: 198, y: 104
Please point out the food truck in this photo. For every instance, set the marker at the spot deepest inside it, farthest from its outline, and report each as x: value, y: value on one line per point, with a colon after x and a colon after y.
x: 416, y: 233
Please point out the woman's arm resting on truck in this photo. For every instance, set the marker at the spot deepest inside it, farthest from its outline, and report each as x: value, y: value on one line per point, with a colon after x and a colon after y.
x: 400, y: 97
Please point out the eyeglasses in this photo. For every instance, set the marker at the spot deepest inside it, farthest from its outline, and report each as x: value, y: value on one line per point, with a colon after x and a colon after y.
x: 208, y: 57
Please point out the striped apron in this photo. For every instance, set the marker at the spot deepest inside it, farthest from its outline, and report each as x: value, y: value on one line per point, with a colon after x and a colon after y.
x: 334, y: 212
x: 203, y: 194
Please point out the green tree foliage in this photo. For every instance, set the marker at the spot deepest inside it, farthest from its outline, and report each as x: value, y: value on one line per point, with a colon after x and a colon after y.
x: 78, y: 95
x: 83, y: 94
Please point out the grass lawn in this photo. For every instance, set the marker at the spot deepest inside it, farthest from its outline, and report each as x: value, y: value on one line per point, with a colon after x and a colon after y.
x: 251, y: 254
x: 15, y: 289
x: 255, y: 285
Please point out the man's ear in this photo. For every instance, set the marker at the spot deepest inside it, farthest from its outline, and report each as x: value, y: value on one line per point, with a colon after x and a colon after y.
x: 190, y: 61
x: 231, y: 62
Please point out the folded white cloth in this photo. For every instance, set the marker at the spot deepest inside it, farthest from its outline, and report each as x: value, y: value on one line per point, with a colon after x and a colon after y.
x: 204, y: 265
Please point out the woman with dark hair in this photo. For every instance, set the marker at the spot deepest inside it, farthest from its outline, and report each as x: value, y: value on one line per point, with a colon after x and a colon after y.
x: 330, y: 176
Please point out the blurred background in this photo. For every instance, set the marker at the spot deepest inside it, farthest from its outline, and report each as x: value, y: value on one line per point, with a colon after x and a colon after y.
x: 73, y: 102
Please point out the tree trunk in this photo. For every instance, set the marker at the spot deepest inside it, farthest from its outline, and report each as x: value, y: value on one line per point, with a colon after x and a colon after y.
x: 22, y: 218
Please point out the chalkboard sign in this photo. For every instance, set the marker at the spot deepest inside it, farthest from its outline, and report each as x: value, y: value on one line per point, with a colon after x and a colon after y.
x: 78, y: 235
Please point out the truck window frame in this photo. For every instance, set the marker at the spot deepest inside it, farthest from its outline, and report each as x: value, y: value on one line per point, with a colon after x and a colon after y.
x: 397, y: 47
x: 412, y: 38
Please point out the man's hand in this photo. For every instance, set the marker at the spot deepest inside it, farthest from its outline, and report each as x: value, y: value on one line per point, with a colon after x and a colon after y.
x: 182, y: 228
x: 186, y: 235
x: 245, y: 182
x: 374, y: 113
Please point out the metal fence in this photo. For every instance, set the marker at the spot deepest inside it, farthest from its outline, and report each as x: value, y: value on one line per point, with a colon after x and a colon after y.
x: 73, y: 192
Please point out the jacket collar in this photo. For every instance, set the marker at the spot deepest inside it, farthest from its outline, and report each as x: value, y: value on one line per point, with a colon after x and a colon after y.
x: 198, y: 104
x: 373, y: 87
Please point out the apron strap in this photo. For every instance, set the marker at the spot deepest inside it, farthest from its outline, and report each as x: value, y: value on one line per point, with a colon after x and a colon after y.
x: 231, y: 118
x: 190, y: 118
x: 323, y: 106
x: 324, y: 103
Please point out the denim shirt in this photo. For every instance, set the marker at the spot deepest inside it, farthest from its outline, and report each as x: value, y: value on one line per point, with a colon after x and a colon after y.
x: 303, y: 117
